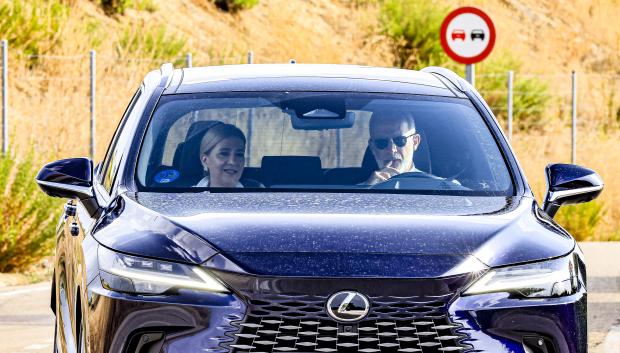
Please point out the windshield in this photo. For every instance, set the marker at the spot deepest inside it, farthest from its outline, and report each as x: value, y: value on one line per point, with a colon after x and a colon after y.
x: 313, y: 141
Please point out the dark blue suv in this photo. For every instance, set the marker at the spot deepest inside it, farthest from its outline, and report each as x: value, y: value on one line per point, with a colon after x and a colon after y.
x: 313, y: 208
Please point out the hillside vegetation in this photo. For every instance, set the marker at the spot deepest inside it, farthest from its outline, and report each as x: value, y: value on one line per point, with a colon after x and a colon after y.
x: 542, y: 41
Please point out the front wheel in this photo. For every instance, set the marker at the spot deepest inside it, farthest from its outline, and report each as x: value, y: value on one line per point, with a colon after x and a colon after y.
x: 56, y: 335
x: 81, y: 338
x: 81, y: 328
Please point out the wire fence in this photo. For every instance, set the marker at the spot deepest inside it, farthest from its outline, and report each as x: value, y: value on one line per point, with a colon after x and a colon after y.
x: 64, y: 107
x: 586, y: 102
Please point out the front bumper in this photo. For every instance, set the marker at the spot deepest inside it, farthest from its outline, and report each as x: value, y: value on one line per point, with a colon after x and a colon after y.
x: 497, y: 323
x: 207, y: 322
x: 190, y: 321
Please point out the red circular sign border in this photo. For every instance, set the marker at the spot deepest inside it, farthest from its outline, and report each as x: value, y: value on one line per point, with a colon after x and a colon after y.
x: 444, y: 29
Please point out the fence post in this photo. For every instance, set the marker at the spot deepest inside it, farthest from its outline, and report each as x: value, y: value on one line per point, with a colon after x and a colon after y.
x: 250, y: 118
x: 93, y: 77
x: 5, y: 92
x: 509, y: 104
x: 338, y: 148
x: 574, y: 119
x: 188, y: 60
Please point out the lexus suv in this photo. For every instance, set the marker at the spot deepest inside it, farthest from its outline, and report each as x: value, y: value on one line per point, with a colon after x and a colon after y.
x: 313, y: 208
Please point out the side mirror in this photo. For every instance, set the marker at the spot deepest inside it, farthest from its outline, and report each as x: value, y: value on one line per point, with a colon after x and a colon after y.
x: 72, y: 179
x: 569, y: 184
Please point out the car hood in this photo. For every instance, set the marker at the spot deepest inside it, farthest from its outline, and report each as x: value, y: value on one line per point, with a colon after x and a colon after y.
x: 357, y: 234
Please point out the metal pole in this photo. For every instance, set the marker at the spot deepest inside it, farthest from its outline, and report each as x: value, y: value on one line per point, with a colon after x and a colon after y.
x: 338, y: 148
x: 249, y: 137
x: 574, y: 119
x: 509, y: 104
x: 93, y: 77
x: 5, y: 92
x: 470, y: 74
x: 250, y: 118
x: 188, y: 60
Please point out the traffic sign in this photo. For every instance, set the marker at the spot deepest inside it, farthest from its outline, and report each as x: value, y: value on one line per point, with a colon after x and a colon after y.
x: 467, y: 35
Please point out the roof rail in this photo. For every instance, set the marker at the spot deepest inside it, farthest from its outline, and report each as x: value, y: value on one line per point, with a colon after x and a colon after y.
x: 448, y: 74
x: 166, y: 70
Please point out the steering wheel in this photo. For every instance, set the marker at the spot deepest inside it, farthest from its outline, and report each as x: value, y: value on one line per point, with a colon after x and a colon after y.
x: 394, y: 182
x: 418, y: 181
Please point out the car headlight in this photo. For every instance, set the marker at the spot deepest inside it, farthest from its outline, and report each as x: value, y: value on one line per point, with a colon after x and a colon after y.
x: 127, y: 273
x: 551, y: 278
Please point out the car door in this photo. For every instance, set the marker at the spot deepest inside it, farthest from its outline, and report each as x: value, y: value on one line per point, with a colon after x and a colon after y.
x: 73, y: 229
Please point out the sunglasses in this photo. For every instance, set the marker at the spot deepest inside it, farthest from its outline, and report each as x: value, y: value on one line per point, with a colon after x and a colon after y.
x: 399, y: 141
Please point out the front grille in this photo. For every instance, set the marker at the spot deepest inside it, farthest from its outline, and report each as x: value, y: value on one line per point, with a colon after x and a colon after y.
x: 299, y: 323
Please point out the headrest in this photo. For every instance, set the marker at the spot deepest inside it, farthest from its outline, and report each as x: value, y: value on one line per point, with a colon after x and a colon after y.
x: 276, y: 170
x: 198, y: 128
x: 369, y: 163
x: 187, y: 155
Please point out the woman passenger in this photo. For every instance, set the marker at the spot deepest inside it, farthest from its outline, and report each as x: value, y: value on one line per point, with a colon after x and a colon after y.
x: 222, y: 154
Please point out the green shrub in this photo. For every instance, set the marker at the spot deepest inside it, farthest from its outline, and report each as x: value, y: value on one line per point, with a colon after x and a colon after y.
x: 151, y: 43
x: 530, y: 95
x: 412, y: 28
x: 581, y: 220
x: 360, y: 3
x: 234, y: 5
x: 145, y: 5
x: 33, y: 26
x: 113, y: 7
x: 27, y: 216
x: 95, y: 32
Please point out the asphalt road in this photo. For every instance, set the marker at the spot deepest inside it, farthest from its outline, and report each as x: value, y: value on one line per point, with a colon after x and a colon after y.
x: 26, y: 322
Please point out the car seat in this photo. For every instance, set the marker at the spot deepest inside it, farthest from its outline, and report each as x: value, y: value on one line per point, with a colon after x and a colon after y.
x: 187, y: 155
x: 290, y: 170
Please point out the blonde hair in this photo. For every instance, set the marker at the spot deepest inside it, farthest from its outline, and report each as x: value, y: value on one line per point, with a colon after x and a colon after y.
x: 217, y: 133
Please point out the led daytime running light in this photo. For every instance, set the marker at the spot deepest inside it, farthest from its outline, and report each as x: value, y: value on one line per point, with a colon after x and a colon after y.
x: 141, y: 275
x: 548, y: 278
x: 209, y: 284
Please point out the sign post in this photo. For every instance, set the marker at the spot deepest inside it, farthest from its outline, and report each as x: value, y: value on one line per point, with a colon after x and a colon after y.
x: 468, y: 36
x: 470, y: 74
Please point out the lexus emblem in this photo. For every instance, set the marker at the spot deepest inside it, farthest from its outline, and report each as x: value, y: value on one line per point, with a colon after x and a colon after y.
x: 348, y: 306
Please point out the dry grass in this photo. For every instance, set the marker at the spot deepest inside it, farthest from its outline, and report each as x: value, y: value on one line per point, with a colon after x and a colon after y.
x: 50, y: 104
x: 595, y: 150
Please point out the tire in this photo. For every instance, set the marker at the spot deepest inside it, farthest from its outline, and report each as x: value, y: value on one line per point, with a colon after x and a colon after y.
x: 56, y: 335
x: 81, y: 346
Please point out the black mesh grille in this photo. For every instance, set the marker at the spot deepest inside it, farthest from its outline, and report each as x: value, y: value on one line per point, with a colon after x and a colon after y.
x: 299, y: 323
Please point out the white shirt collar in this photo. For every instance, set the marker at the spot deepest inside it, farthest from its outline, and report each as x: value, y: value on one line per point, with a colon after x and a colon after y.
x: 204, y: 182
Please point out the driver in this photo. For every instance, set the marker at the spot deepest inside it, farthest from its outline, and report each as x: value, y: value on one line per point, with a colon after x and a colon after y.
x: 393, y: 140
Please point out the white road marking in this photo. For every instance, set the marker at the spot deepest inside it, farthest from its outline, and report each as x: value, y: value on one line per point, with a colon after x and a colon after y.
x: 36, y: 346
x: 23, y: 291
x: 612, y: 341
x: 603, y: 297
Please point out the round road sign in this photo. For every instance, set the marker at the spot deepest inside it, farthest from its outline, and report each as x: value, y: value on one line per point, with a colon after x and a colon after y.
x: 467, y: 35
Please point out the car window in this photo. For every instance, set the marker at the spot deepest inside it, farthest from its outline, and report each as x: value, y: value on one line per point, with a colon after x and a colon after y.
x: 112, y: 159
x: 304, y: 141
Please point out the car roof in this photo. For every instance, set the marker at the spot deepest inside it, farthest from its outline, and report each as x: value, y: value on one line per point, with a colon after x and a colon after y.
x: 305, y: 77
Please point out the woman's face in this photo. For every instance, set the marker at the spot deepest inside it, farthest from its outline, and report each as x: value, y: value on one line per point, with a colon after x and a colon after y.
x: 225, y: 162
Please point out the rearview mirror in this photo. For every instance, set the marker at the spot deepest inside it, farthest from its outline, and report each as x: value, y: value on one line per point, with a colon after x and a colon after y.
x: 321, y: 119
x: 569, y: 184
x: 70, y: 178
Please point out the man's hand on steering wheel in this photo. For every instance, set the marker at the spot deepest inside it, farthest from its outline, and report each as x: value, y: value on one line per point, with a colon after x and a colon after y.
x: 387, y: 172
